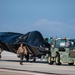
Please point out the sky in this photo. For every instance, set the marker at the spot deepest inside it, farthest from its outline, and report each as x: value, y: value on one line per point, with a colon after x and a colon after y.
x: 53, y: 18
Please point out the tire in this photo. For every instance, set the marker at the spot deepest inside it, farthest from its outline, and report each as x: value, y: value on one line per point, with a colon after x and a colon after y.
x: 57, y: 59
x: 0, y: 55
x: 71, y: 63
x: 34, y: 59
x: 49, y: 60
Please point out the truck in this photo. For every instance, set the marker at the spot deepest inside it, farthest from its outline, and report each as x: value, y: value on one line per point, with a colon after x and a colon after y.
x: 62, y: 51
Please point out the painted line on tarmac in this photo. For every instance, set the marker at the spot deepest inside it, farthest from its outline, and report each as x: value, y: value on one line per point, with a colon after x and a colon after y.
x: 20, y: 72
x: 38, y: 72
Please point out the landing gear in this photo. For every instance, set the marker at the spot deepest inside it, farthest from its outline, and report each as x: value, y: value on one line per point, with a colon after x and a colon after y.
x: 27, y: 57
x: 34, y: 59
x: 0, y: 56
x: 0, y: 53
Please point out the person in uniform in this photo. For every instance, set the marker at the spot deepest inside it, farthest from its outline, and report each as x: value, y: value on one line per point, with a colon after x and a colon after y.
x: 0, y: 54
x: 26, y: 53
x: 20, y: 51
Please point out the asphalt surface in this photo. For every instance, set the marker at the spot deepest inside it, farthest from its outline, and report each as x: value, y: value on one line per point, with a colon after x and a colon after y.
x: 13, y: 72
x: 9, y: 65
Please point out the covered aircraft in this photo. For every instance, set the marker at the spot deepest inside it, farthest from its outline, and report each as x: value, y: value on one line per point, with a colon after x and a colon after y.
x: 34, y: 41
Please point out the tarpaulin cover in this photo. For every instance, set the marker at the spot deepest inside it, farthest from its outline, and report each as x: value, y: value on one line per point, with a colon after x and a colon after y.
x: 34, y: 41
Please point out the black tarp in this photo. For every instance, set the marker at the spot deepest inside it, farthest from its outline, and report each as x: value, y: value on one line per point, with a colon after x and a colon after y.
x: 34, y: 41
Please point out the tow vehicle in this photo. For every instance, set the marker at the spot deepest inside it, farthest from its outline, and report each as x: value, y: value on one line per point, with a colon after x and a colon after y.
x: 62, y: 51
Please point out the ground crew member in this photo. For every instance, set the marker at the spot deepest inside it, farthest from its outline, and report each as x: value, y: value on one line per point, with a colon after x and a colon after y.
x: 26, y: 53
x: 25, y: 50
x: 20, y: 51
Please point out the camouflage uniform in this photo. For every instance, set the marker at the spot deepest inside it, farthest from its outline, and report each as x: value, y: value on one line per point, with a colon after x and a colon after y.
x: 20, y: 51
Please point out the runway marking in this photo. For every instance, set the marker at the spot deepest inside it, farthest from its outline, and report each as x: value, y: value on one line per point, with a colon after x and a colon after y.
x: 22, y: 72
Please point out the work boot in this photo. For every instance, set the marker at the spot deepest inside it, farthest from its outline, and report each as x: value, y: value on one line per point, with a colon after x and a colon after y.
x: 21, y: 63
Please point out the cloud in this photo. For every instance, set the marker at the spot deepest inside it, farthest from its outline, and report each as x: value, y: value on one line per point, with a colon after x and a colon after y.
x: 47, y: 22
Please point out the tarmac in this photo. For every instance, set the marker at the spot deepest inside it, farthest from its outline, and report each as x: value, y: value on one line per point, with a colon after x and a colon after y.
x: 9, y: 65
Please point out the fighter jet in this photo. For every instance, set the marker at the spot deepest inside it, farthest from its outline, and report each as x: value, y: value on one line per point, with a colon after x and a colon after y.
x: 34, y: 41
